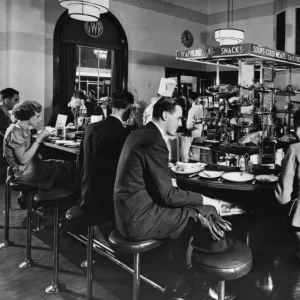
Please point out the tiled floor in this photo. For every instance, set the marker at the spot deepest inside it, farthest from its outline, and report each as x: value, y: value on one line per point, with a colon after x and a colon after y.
x: 275, y: 273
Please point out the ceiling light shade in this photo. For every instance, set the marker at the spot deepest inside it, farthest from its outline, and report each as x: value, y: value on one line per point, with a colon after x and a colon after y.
x: 229, y: 36
x: 85, y: 10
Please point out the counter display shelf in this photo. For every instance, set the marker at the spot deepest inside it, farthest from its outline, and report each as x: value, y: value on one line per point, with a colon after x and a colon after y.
x: 252, y: 195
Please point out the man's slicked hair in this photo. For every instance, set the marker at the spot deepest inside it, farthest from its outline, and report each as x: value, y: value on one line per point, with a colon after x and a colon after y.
x: 164, y: 104
x: 8, y: 93
x: 121, y: 99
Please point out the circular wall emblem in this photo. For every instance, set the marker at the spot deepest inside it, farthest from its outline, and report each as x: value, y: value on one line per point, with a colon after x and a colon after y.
x: 209, y: 51
x: 93, y: 29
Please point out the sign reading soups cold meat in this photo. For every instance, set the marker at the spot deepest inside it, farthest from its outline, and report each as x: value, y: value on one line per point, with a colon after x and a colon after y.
x: 255, y: 50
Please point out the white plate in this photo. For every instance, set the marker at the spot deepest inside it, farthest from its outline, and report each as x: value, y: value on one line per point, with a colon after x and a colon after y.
x: 75, y: 145
x: 266, y: 178
x: 187, y: 168
x: 61, y: 142
x: 238, y: 176
x: 211, y: 141
x: 210, y: 174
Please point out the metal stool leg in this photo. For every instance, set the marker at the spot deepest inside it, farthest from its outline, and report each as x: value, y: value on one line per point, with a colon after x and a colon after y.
x: 28, y: 261
x: 6, y: 241
x: 53, y: 288
x: 221, y: 290
x: 38, y: 227
x: 136, y: 276
x: 89, y: 273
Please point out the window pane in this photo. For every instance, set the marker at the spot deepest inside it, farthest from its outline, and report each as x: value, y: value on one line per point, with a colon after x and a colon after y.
x: 280, y: 32
x: 93, y: 72
x: 297, y: 52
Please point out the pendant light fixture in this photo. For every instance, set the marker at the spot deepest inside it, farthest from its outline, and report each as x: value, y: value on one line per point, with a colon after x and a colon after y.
x: 85, y: 10
x: 229, y: 35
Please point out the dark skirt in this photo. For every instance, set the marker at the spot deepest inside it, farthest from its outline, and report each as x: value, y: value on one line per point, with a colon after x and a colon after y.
x: 49, y: 174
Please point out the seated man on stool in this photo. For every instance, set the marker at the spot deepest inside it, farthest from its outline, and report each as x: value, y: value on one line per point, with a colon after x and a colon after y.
x: 148, y: 206
x: 99, y: 156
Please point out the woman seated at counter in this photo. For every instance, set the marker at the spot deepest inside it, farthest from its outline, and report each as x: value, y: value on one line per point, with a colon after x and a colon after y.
x: 288, y: 187
x: 21, y: 151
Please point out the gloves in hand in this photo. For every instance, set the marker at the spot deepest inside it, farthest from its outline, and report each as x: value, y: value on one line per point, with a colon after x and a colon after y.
x: 213, y: 222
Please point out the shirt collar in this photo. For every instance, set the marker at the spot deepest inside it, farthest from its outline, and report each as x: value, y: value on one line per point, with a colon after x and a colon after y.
x: 160, y: 129
x: 117, y: 117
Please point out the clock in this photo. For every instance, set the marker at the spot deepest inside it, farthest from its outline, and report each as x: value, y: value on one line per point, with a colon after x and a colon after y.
x: 187, y: 39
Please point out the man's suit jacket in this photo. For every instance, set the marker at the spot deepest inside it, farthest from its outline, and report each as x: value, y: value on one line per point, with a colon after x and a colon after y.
x: 98, y: 160
x: 147, y: 205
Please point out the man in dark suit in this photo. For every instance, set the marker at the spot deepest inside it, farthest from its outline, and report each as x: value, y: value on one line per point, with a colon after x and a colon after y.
x: 99, y: 156
x: 147, y: 205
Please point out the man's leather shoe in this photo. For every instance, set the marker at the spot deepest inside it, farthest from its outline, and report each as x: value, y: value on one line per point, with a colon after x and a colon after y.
x: 213, y: 293
x: 178, y: 291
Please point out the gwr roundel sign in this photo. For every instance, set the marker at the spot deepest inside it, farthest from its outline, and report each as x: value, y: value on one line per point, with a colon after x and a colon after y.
x: 93, y: 29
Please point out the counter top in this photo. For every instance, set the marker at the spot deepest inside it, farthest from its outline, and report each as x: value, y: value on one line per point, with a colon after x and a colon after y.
x: 63, y: 148
x: 195, y: 183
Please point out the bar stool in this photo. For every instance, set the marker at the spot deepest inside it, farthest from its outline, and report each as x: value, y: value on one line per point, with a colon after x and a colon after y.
x: 232, y: 264
x: 119, y: 243
x: 55, y: 198
x: 78, y: 219
x: 28, y: 192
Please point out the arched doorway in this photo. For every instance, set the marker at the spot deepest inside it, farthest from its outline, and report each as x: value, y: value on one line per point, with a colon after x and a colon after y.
x: 71, y: 39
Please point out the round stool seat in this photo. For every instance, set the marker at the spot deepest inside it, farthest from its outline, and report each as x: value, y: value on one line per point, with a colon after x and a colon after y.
x: 132, y: 246
x: 54, y: 197
x: 229, y: 265
x: 77, y: 215
x: 16, y: 186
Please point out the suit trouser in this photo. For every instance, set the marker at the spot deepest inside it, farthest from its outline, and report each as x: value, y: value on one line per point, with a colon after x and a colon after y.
x: 181, y: 248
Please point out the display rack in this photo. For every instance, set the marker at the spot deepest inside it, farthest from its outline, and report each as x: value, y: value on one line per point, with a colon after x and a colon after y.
x: 266, y: 60
x: 234, y: 56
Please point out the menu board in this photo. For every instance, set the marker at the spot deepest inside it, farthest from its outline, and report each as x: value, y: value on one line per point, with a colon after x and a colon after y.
x: 268, y: 74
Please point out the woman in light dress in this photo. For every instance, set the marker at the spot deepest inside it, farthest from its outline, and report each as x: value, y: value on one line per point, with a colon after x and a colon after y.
x: 21, y: 151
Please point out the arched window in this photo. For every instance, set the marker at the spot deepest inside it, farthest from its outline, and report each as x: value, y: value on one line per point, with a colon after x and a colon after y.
x: 92, y: 56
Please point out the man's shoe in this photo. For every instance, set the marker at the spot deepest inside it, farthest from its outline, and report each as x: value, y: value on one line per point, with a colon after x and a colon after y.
x: 22, y: 202
x: 178, y: 291
x: 213, y: 293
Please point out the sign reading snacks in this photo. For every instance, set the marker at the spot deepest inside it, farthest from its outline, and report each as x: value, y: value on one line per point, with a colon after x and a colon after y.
x: 236, y: 51
x: 196, y: 53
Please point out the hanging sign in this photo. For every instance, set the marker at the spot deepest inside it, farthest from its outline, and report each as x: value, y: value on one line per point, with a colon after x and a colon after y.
x: 255, y: 50
x: 232, y: 50
x: 196, y: 53
x: 275, y: 54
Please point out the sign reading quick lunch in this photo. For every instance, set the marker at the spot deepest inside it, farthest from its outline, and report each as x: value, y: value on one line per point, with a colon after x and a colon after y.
x: 196, y: 53
x: 93, y: 29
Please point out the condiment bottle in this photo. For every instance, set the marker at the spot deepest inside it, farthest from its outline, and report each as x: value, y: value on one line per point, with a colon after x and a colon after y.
x: 250, y: 167
x: 242, y: 164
